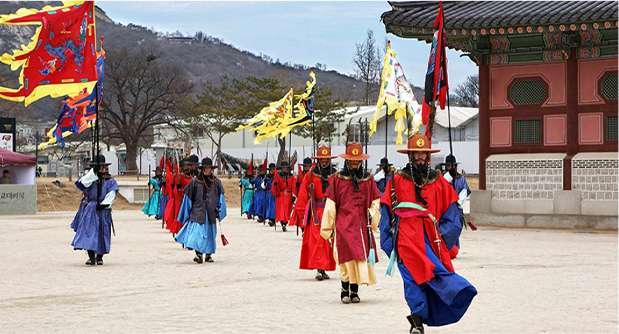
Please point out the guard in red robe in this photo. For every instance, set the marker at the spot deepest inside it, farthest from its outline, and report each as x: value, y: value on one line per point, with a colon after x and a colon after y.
x: 316, y: 252
x: 350, y: 216
x: 282, y: 189
x: 173, y: 204
x: 420, y: 223
x: 182, y: 177
x: 296, y: 219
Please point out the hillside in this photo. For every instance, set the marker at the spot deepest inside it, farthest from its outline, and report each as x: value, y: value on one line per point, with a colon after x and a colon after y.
x: 208, y: 59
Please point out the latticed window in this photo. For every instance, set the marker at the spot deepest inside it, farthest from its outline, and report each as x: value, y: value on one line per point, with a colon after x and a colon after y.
x: 528, y: 92
x: 528, y: 131
x: 609, y: 87
x: 611, y: 127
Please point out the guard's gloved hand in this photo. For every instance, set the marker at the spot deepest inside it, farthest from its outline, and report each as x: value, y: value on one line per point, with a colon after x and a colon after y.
x: 102, y: 206
x: 178, y: 186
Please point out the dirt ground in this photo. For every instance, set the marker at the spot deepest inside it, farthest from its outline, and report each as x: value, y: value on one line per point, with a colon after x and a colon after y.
x: 50, y: 197
x: 529, y: 280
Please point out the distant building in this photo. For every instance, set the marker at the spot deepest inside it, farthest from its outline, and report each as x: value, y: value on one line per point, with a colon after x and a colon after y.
x: 240, y: 144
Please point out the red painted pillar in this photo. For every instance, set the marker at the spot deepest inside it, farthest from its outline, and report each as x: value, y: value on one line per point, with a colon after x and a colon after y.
x: 484, y: 119
x: 571, y: 118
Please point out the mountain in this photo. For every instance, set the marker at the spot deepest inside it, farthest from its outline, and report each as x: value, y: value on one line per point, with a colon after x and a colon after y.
x: 202, y: 57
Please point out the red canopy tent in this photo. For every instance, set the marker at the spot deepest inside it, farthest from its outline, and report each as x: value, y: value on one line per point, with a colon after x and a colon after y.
x: 10, y: 158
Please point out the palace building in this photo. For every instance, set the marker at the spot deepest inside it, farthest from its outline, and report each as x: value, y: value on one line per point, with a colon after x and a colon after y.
x: 547, y: 105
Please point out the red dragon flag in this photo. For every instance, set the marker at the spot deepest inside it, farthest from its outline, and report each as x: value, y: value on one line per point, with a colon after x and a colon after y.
x: 436, y: 77
x: 61, y: 59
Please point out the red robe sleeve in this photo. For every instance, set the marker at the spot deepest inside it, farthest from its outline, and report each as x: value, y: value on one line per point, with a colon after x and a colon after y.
x: 303, y: 195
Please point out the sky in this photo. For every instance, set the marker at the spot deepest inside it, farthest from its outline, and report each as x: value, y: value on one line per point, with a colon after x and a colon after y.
x: 299, y: 32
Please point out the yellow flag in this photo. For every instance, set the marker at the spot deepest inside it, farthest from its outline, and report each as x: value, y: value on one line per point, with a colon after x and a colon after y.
x: 269, y: 121
x: 396, y: 92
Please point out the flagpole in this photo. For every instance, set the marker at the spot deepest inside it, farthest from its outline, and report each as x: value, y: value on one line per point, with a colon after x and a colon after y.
x: 386, y: 129
x: 449, y: 123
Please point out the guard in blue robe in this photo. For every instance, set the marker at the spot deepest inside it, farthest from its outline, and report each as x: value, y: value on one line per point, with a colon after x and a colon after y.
x: 459, y: 184
x: 258, y: 203
x: 151, y: 207
x: 383, y: 175
x: 203, y: 204
x: 93, y: 227
x: 269, y: 208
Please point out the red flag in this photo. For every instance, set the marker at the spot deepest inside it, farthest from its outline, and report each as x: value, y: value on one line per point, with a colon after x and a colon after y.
x: 251, y: 166
x: 300, y: 169
x: 61, y: 59
x: 436, y: 75
x: 264, y: 165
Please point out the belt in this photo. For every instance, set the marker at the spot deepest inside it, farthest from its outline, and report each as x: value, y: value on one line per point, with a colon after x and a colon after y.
x: 287, y: 191
x: 261, y: 190
x: 322, y: 200
x: 249, y: 188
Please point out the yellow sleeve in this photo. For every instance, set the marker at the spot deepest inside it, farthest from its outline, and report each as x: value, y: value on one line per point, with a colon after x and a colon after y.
x: 375, y: 214
x: 328, y: 220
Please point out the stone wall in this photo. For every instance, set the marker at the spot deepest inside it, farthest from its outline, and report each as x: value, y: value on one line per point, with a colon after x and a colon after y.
x: 595, y: 175
x: 524, y: 176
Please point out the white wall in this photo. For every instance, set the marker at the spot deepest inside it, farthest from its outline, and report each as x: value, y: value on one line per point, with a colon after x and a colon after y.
x: 466, y: 152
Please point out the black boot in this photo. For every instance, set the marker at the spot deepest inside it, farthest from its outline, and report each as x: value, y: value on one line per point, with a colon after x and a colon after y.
x: 208, y: 258
x: 354, y: 293
x: 416, y: 324
x: 198, y: 258
x: 271, y: 222
x: 344, y: 296
x: 91, y: 258
x: 284, y: 227
x: 99, y: 259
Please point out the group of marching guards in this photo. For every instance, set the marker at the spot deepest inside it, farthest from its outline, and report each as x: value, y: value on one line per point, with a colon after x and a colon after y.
x: 418, y: 209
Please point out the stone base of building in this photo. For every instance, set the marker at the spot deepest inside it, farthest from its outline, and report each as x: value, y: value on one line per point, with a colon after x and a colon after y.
x: 566, y: 209
x: 544, y: 221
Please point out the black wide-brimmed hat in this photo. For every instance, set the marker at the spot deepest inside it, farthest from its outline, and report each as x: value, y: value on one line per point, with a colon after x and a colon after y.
x: 383, y: 162
x: 207, y: 162
x: 284, y: 164
x: 307, y: 162
x: 450, y: 160
x: 272, y: 165
x: 158, y: 169
x: 192, y: 160
x: 99, y: 160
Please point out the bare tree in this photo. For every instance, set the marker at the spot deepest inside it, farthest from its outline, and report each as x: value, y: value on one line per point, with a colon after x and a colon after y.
x: 467, y: 93
x: 367, y: 64
x: 140, y: 92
